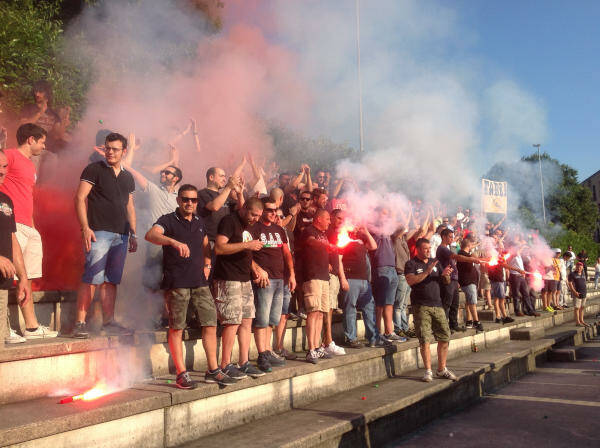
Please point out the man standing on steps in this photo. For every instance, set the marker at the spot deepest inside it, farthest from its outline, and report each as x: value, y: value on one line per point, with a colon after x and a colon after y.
x: 268, y: 266
x: 234, y: 298
x: 186, y: 268
x: 423, y: 274
x: 108, y: 225
x: 449, y: 287
x: 578, y: 287
x: 18, y: 186
x: 468, y: 279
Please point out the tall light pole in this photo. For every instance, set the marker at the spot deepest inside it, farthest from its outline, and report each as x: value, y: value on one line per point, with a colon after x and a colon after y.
x: 541, y: 180
x: 360, y: 106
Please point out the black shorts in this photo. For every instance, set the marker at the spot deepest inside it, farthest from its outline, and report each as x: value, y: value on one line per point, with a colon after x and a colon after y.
x: 550, y: 285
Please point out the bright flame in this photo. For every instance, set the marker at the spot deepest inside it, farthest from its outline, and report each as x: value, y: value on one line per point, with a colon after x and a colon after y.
x: 506, y: 256
x: 493, y: 261
x: 537, y: 283
x: 97, y: 391
x: 344, y: 237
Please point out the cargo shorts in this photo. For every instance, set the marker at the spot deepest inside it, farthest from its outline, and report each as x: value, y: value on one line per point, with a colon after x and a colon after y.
x: 234, y: 301
x: 199, y: 299
x: 316, y: 295
x: 431, y: 324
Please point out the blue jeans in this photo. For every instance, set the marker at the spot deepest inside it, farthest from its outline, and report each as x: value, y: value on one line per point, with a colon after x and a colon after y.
x: 359, y: 295
x: 596, y: 278
x: 385, y: 285
x: 401, y: 303
x: 106, y: 259
x: 268, y: 302
x: 287, y: 296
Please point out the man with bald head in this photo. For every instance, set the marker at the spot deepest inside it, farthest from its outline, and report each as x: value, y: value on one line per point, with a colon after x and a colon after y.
x: 214, y: 202
x: 315, y: 262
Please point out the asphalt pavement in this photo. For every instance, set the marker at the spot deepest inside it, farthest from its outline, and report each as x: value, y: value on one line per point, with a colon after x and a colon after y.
x: 556, y: 406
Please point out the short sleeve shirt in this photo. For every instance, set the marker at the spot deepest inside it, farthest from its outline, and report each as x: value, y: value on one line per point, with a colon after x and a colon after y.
x: 211, y: 218
x: 354, y: 260
x: 237, y: 266
x: 179, y: 272
x: 315, y: 259
x: 444, y: 255
x: 161, y: 202
x: 426, y: 292
x: 467, y: 273
x: 8, y: 226
x: 270, y: 257
x: 18, y: 185
x: 579, y: 283
x: 107, y: 201
x: 384, y: 255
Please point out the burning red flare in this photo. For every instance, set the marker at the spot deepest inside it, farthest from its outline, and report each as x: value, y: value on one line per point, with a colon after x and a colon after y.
x: 96, y: 392
x: 344, y: 236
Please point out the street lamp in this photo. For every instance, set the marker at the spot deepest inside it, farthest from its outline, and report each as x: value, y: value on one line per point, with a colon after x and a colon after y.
x: 360, y: 106
x: 541, y: 181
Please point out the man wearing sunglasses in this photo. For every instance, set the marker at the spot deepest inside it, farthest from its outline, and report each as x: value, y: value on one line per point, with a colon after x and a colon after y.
x: 186, y: 254
x: 106, y: 213
x: 268, y: 267
x: 234, y: 298
x: 162, y: 200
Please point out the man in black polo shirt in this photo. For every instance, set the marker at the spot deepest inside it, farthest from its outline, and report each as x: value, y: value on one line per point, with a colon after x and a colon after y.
x: 11, y: 258
x: 107, y: 225
x: 186, y: 267
x: 449, y: 287
x: 268, y: 266
x: 234, y: 297
x: 423, y: 276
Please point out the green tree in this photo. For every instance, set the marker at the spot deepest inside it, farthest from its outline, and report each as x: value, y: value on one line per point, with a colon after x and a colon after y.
x: 31, y: 49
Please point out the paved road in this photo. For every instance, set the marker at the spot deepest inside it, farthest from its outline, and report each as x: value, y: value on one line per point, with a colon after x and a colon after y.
x: 557, y: 406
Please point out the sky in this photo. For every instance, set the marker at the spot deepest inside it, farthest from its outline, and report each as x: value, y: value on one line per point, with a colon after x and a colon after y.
x: 551, y: 49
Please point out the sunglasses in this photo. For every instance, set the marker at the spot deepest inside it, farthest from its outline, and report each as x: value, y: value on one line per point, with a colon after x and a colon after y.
x: 167, y: 172
x: 305, y: 199
x: 186, y: 199
x: 280, y: 216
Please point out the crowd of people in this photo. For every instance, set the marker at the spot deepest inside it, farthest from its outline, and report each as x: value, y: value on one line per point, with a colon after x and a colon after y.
x: 250, y: 255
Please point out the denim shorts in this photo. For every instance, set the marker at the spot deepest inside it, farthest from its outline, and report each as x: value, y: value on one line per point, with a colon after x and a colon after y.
x: 498, y: 290
x: 106, y: 259
x: 287, y: 296
x: 470, y: 293
x: 385, y: 285
x: 268, y: 302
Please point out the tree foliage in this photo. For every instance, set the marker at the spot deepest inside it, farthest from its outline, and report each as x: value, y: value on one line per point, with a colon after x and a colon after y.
x: 31, y: 49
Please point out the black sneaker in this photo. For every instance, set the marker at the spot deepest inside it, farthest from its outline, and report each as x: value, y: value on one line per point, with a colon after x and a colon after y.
x: 275, y: 359
x: 411, y: 333
x: 263, y: 362
x: 250, y: 370
x: 114, y: 328
x: 457, y: 328
x: 233, y: 372
x: 498, y: 320
x: 286, y: 354
x: 184, y: 381
x: 507, y: 320
x: 353, y: 344
x: 80, y: 331
x: 379, y: 342
x: 478, y: 327
x: 218, y: 377
x: 469, y: 324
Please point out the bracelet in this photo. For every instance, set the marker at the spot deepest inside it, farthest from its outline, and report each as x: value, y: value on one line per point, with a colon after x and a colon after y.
x: 133, y: 235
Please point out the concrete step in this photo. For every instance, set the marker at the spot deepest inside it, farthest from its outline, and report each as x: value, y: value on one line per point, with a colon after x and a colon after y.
x: 527, y: 334
x: 155, y: 413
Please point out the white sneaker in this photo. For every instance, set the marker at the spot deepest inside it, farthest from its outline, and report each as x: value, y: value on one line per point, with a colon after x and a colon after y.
x: 447, y: 374
x: 14, y: 338
x: 428, y: 377
x: 41, y: 333
x: 333, y: 349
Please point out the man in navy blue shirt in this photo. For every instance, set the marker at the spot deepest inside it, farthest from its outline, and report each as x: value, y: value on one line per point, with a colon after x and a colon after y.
x: 186, y: 267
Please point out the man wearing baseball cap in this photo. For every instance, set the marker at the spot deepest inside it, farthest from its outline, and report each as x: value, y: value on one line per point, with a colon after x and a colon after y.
x: 578, y: 287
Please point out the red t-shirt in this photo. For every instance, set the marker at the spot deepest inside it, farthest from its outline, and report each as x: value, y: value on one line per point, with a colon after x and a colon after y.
x: 18, y: 185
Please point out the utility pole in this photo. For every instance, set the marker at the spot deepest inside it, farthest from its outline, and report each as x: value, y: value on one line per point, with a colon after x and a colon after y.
x: 360, y: 106
x: 541, y: 180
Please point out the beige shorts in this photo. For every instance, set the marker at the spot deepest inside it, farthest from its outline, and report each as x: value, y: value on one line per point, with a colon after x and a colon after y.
x: 234, y: 301
x: 334, y: 290
x: 31, y: 247
x: 579, y: 303
x: 316, y: 295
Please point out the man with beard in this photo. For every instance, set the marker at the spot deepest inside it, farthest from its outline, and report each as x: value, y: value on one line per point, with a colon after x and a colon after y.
x: 234, y: 297
x: 268, y: 266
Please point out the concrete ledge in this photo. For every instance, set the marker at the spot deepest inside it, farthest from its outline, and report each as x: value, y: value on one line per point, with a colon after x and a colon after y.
x: 527, y: 334
x: 562, y: 354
